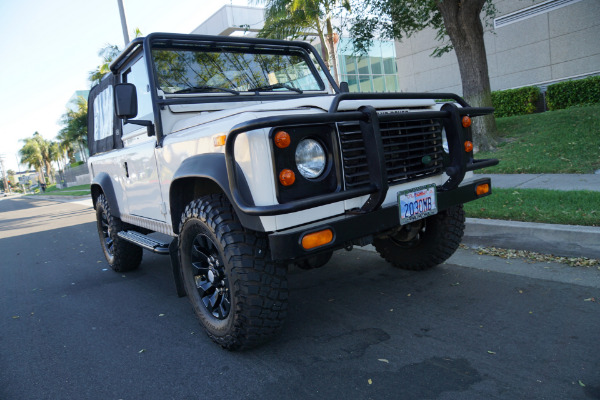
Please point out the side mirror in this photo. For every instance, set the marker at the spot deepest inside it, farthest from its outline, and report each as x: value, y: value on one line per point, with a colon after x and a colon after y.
x: 126, y: 100
x: 344, y: 88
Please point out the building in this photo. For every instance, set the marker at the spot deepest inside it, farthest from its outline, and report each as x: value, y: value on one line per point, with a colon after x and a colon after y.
x: 531, y: 43
x: 72, y: 104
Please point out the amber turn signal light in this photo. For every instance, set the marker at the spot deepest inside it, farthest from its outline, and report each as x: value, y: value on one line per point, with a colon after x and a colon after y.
x: 468, y: 146
x: 219, y: 141
x: 482, y: 189
x: 317, y: 239
x: 466, y: 121
x: 282, y: 139
x: 287, y: 177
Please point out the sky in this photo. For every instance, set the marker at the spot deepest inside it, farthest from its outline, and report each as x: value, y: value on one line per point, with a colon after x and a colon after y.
x: 48, y: 48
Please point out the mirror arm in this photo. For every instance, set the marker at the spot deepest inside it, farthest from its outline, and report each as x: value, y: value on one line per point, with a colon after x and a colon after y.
x: 142, y: 122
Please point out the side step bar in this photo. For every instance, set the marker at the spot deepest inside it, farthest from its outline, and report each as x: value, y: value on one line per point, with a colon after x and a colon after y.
x: 144, y: 241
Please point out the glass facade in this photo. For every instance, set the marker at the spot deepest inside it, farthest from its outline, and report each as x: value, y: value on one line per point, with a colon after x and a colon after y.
x: 374, y: 72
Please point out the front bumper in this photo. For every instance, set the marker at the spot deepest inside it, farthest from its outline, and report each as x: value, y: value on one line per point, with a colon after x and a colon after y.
x: 348, y: 229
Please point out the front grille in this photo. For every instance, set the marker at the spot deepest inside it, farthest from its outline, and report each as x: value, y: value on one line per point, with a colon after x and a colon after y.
x: 406, y: 146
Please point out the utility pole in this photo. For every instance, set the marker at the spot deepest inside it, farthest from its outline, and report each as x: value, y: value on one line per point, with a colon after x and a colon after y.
x: 123, y: 22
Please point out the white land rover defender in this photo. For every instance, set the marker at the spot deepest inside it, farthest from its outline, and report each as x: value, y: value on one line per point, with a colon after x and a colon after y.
x: 247, y: 154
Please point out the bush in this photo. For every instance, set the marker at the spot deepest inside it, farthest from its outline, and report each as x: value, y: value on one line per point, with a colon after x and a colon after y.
x: 572, y: 93
x: 519, y: 101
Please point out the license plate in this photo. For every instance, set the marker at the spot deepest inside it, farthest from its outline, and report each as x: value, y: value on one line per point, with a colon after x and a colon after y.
x: 417, y: 203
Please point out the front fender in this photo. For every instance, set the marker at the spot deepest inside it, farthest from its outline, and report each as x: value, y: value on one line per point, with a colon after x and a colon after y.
x: 205, y: 174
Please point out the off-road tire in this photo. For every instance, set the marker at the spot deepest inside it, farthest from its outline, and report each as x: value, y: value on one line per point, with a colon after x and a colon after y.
x: 250, y: 304
x: 435, y: 242
x: 121, y: 255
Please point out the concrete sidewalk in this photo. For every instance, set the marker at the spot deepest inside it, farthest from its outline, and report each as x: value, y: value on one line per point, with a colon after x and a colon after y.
x: 559, y: 240
x: 545, y: 181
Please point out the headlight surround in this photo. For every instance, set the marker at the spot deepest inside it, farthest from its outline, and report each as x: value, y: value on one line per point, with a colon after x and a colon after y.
x: 311, y: 158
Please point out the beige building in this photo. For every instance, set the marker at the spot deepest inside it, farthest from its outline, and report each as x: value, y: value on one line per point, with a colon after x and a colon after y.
x: 532, y: 42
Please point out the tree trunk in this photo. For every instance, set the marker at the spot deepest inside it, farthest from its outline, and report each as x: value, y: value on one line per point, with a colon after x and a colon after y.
x: 463, y: 24
x: 331, y: 46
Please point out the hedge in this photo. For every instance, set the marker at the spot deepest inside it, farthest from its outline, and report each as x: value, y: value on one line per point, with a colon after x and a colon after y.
x: 571, y: 93
x: 519, y: 101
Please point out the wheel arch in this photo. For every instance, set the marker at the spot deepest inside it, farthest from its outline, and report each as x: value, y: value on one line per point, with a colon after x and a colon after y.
x: 205, y: 174
x: 102, y: 184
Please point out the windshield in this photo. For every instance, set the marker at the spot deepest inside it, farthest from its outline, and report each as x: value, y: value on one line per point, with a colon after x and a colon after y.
x: 232, y: 70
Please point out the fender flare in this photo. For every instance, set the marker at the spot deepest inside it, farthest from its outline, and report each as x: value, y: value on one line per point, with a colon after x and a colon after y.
x: 104, y: 182
x: 211, y: 167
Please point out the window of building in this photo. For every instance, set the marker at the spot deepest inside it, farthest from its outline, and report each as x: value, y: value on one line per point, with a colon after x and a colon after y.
x: 373, y: 72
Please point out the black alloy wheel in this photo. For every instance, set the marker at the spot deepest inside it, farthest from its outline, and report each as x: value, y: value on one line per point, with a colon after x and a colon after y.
x: 210, y: 277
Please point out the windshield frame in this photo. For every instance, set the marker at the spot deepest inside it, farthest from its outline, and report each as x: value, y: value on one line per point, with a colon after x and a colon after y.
x: 159, y: 103
x: 170, y: 40
x: 238, y: 53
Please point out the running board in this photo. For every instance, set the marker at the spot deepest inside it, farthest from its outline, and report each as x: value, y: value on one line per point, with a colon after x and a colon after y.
x: 144, y: 241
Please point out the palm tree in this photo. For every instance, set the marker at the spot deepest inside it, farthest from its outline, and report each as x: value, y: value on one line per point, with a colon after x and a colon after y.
x: 292, y: 19
x: 31, y: 155
x: 108, y: 54
x: 74, y: 132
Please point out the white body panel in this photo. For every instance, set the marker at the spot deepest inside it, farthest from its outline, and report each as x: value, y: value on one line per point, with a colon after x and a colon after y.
x: 151, y: 169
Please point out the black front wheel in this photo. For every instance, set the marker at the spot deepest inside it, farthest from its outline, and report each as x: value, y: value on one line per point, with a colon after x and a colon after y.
x: 237, y: 292
x: 425, y: 243
x: 121, y: 255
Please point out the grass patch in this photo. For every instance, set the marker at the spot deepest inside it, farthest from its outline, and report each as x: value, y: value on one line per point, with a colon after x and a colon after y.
x: 67, y: 193
x: 78, y: 190
x: 578, y: 207
x: 561, y: 142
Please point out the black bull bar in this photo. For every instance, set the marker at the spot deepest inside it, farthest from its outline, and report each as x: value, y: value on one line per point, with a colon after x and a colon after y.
x: 460, y: 161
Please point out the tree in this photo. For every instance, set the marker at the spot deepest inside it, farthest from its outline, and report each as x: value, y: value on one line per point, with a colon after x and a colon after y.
x: 74, y: 131
x: 31, y: 155
x: 460, y: 20
x: 108, y: 53
x: 292, y: 19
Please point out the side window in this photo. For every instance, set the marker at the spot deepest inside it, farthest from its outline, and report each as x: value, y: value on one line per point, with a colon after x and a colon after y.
x: 138, y: 75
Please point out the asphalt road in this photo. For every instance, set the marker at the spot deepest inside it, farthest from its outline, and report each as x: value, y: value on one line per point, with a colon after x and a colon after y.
x: 356, y: 329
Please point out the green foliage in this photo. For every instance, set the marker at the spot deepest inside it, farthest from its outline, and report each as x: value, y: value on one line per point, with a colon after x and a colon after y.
x: 559, y: 142
x: 572, y: 93
x: 515, y: 101
x: 577, y: 207
x: 74, y: 131
x: 37, y: 153
x: 399, y: 19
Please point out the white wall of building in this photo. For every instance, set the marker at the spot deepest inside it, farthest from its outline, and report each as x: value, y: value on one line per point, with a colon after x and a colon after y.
x: 554, y: 45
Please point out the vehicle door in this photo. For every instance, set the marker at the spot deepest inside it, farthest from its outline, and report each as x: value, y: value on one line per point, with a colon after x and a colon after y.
x: 138, y: 160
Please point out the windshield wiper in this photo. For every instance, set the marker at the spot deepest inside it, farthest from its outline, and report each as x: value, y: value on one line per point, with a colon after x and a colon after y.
x: 266, y: 88
x: 205, y: 88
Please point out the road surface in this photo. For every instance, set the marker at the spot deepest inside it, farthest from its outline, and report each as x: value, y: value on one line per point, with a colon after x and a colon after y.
x: 476, y: 327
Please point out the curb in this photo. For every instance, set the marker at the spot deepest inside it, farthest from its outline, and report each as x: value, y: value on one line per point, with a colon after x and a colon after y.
x: 558, y: 240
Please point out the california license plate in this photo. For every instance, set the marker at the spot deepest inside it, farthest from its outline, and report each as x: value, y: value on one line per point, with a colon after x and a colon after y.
x: 417, y: 203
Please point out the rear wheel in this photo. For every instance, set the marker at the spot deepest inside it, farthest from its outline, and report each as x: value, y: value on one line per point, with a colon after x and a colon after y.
x: 121, y: 255
x: 237, y: 292
x: 425, y: 243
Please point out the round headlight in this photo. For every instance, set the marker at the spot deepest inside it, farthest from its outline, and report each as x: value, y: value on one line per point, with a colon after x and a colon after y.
x: 310, y: 158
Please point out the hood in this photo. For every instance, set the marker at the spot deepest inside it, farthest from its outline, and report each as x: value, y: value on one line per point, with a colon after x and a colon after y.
x: 308, y: 104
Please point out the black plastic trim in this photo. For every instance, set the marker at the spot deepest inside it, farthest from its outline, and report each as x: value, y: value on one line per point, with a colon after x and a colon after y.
x: 104, y: 181
x: 347, y: 228
x: 212, y: 167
